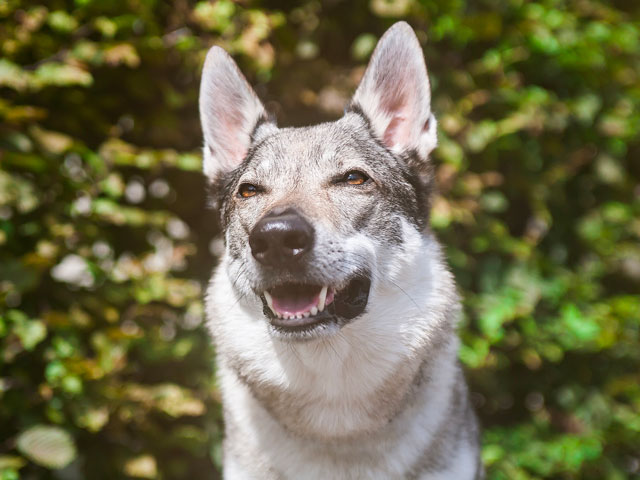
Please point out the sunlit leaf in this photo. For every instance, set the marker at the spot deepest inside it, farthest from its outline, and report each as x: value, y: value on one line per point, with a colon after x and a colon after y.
x: 51, y: 447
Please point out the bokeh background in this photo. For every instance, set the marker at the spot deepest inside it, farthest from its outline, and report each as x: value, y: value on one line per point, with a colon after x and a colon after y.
x: 106, y: 241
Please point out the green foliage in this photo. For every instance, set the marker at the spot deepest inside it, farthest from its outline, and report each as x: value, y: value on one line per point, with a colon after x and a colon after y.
x: 106, y: 244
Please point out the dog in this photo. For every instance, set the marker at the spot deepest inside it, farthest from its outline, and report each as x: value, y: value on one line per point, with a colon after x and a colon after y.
x: 332, y: 310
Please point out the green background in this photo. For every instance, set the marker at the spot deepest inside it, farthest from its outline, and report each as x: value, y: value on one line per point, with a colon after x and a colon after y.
x: 106, y: 242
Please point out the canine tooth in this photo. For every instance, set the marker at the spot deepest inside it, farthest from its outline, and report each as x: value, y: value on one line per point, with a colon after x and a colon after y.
x: 314, y: 310
x: 269, y: 300
x: 322, y: 298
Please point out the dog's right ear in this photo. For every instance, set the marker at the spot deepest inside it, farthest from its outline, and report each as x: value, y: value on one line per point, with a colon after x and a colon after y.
x: 229, y: 113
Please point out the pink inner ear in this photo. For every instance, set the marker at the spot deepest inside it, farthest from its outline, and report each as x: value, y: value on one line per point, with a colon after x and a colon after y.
x: 397, y: 132
x: 234, y: 140
x: 397, y: 103
x: 394, y: 131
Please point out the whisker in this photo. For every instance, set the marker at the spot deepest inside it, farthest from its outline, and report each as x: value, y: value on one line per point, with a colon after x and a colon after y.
x: 373, y: 274
x: 242, y: 296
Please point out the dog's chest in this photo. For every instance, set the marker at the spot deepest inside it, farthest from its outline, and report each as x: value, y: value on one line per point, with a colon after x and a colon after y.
x: 331, y: 390
x: 300, y: 441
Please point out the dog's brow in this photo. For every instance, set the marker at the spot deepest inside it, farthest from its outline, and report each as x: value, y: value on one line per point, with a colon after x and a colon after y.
x: 328, y: 154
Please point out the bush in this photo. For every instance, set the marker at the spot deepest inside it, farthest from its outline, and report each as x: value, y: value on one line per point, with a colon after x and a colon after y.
x: 105, y: 243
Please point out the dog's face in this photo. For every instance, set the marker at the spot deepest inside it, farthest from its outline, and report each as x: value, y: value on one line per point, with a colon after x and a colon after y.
x: 313, y: 216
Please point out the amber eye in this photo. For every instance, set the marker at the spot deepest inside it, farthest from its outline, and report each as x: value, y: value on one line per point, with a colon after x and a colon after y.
x: 247, y: 190
x: 355, y: 177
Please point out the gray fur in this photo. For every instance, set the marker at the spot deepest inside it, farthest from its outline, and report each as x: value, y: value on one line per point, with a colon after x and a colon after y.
x: 382, y: 395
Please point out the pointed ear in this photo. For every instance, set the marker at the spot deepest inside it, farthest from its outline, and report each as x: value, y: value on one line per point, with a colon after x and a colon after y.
x: 395, y: 96
x: 229, y: 113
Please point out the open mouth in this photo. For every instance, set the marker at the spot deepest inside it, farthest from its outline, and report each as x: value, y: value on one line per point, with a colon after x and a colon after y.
x: 293, y: 307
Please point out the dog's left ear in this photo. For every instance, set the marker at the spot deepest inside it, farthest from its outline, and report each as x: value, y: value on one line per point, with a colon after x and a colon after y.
x: 395, y: 96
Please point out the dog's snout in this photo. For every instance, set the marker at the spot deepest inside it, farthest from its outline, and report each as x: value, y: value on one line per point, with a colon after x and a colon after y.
x: 281, y: 238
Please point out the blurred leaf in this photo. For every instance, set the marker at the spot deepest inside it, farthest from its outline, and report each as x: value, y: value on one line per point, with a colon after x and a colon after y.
x: 30, y: 332
x: 581, y: 326
x: 62, y: 21
x: 11, y: 462
x: 51, y: 447
x: 61, y: 75
x: 143, y: 466
x: 11, y: 75
x: 363, y: 46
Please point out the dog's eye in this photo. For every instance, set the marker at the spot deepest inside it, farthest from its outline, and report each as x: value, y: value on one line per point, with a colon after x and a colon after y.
x: 355, y: 177
x: 247, y: 190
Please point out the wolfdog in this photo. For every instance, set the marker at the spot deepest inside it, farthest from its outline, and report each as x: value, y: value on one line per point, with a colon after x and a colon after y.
x: 332, y: 310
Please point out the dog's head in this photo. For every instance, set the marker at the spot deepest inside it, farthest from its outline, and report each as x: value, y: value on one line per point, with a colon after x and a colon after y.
x: 314, y: 216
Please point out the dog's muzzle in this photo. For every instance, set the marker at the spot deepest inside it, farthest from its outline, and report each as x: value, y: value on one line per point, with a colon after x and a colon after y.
x: 280, y: 242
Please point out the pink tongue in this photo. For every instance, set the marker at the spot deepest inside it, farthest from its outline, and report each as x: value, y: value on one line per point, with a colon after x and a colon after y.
x: 291, y: 303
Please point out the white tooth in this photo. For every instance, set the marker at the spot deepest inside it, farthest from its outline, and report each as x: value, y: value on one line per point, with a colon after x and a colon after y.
x: 322, y: 298
x: 269, y: 300
x: 314, y: 310
x: 306, y: 315
x: 299, y: 316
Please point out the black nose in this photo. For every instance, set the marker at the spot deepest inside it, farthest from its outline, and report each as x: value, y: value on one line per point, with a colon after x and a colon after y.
x: 281, y: 238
